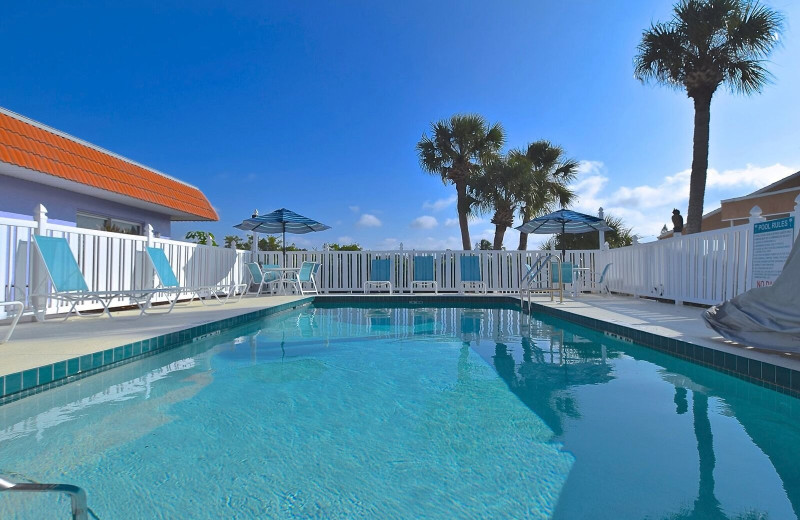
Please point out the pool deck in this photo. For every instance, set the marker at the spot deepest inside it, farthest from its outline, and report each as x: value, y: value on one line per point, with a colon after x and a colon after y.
x: 49, y: 345
x: 37, y: 344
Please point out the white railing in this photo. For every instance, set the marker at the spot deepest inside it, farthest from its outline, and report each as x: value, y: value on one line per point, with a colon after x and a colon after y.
x: 704, y: 268
x: 108, y: 261
x: 346, y: 271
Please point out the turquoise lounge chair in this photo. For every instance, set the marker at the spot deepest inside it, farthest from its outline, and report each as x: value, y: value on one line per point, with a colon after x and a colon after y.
x: 600, y: 279
x: 566, y: 270
x: 68, y: 283
x: 168, y: 282
x: 263, y: 277
x: 379, y: 275
x: 471, y: 274
x: 424, y: 275
x: 305, y: 275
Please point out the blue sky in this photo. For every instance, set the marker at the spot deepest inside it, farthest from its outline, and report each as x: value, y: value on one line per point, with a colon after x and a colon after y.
x: 318, y: 106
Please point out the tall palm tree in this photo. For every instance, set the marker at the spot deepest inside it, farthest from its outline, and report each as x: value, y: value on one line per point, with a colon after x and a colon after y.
x: 706, y: 44
x: 546, y: 184
x: 456, y: 150
x: 499, y: 191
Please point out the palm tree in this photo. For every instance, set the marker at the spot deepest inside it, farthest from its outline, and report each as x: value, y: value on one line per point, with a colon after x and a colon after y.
x: 708, y: 43
x: 546, y: 184
x: 499, y: 190
x: 456, y: 150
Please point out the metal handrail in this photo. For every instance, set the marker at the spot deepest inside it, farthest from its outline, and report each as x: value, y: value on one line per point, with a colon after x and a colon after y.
x: 530, y: 290
x: 80, y: 510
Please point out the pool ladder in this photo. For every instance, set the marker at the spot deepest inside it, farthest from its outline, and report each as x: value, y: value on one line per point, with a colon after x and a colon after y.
x: 529, y: 280
x: 77, y: 496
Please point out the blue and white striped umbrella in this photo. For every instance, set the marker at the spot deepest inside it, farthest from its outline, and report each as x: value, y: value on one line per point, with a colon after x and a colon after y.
x: 281, y: 221
x: 564, y: 221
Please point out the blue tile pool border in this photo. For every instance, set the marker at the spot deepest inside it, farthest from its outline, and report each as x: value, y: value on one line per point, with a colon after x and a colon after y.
x: 18, y: 385
x: 36, y: 380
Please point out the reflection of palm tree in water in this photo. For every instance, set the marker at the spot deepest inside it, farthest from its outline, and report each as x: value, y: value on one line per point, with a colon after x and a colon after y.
x: 706, y: 505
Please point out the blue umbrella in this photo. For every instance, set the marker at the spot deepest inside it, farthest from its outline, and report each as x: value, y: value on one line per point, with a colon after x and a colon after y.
x: 564, y: 221
x: 281, y: 221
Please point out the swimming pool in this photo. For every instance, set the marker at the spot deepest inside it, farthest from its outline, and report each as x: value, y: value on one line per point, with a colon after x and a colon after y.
x: 331, y: 412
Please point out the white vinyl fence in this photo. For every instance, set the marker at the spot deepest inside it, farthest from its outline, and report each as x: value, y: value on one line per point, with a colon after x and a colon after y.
x: 346, y: 271
x: 109, y: 261
x: 703, y: 268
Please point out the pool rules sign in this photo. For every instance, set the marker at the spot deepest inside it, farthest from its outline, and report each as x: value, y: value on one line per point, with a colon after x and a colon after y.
x: 772, y: 243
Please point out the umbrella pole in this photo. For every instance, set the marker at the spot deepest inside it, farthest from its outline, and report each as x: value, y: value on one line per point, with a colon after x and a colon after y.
x: 284, y: 245
x: 563, y: 244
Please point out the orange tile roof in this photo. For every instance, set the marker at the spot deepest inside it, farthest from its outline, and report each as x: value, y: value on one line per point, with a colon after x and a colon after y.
x: 25, y: 144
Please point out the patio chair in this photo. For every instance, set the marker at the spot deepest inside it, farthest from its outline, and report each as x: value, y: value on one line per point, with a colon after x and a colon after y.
x: 423, y: 273
x: 263, y: 277
x: 19, y: 307
x: 471, y: 274
x: 600, y: 279
x: 305, y: 275
x: 379, y: 275
x: 168, y: 282
x: 68, y: 283
x: 566, y: 273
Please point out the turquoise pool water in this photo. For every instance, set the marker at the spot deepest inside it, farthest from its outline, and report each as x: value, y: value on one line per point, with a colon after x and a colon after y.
x: 408, y: 413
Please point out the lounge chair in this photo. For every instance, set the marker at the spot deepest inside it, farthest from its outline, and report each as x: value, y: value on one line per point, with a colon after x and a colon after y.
x: 263, y: 277
x: 168, y: 282
x: 566, y: 272
x: 471, y: 274
x: 600, y: 279
x: 305, y: 275
x: 379, y: 275
x: 423, y: 273
x: 19, y: 307
x: 68, y: 282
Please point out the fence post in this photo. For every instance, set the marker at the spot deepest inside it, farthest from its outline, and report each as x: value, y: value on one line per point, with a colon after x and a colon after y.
x: 38, y: 271
x: 602, y: 237
x: 254, y: 248
x: 755, y: 215
x: 796, y: 216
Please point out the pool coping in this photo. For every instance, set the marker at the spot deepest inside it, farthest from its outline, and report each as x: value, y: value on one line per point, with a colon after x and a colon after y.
x: 19, y: 385
x: 32, y: 381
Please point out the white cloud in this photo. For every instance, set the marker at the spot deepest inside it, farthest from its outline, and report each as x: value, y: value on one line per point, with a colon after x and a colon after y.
x: 368, y: 220
x: 451, y: 222
x: 354, y: 209
x: 345, y: 240
x: 440, y: 204
x: 424, y: 222
x: 646, y: 208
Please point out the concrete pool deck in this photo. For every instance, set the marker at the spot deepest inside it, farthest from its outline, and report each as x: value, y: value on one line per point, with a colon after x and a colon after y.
x: 41, y: 355
x: 37, y: 344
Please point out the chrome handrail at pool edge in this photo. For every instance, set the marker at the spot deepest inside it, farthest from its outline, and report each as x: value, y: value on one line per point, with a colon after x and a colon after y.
x: 77, y: 495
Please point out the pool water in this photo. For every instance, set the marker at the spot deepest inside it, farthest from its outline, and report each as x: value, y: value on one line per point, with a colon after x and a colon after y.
x: 408, y: 413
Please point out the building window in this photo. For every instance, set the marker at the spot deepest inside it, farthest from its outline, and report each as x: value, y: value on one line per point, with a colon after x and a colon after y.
x: 115, y: 225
